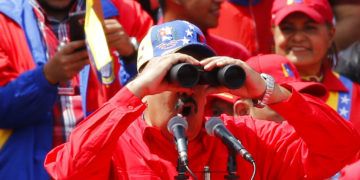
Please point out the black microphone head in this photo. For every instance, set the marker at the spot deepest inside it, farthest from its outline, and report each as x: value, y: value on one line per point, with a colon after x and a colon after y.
x: 177, y: 121
x: 211, y: 125
x: 215, y: 126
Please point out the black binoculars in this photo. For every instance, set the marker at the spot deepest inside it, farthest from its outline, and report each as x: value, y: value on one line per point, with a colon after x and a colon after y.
x: 188, y: 75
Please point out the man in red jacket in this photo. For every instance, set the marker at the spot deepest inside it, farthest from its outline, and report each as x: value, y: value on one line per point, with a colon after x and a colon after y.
x: 128, y: 138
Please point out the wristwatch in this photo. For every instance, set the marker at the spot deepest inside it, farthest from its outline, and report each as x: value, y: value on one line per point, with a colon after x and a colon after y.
x: 270, y: 84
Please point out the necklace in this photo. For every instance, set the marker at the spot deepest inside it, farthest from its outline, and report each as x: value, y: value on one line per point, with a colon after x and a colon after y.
x: 313, y: 78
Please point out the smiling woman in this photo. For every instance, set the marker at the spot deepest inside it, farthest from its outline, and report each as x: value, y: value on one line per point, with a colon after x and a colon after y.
x: 304, y: 33
x: 304, y: 41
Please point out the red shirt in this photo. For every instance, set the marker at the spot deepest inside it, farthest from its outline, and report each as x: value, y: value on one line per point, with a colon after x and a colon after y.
x: 236, y: 23
x: 115, y: 143
x: 225, y: 47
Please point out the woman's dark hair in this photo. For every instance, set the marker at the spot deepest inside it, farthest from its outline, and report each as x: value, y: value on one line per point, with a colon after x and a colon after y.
x: 332, y: 54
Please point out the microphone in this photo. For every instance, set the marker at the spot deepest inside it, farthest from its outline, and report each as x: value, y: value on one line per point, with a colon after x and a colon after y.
x: 177, y: 127
x: 215, y: 127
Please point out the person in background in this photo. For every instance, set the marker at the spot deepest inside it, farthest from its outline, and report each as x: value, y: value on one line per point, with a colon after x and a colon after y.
x: 46, y: 83
x: 152, y: 7
x: 205, y: 15
x: 347, y: 37
x: 223, y: 103
x: 129, y: 138
x: 247, y: 22
x: 349, y: 62
x: 304, y: 33
x: 346, y: 13
x: 284, y: 73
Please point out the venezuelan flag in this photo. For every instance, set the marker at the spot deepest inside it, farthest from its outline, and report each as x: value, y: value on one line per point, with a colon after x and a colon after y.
x: 287, y: 70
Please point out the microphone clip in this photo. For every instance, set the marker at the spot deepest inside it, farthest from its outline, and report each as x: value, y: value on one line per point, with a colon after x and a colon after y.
x: 231, y: 165
x: 181, y: 169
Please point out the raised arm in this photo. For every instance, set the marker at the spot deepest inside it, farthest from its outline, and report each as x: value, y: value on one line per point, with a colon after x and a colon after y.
x: 314, y: 142
x: 93, y: 141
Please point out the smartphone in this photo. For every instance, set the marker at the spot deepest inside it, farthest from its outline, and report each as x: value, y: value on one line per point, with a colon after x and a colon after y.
x: 76, y: 25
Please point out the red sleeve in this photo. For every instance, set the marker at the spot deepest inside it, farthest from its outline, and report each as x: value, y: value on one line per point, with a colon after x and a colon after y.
x: 133, y: 18
x: 314, y: 143
x: 15, y: 57
x: 80, y: 156
x: 323, y: 143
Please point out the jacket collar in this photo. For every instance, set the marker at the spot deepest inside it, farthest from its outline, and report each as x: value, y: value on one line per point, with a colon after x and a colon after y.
x: 332, y: 82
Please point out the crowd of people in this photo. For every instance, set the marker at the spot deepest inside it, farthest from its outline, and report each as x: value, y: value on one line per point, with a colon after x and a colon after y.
x: 294, y: 115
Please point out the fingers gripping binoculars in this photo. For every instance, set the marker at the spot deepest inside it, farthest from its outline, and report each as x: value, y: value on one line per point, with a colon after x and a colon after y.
x: 188, y: 75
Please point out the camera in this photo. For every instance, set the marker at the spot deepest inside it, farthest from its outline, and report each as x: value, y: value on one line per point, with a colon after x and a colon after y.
x: 188, y: 75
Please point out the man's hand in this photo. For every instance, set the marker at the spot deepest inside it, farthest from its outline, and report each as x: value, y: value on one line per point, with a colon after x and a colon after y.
x: 66, y: 63
x: 151, y: 79
x: 117, y: 38
x: 254, y: 86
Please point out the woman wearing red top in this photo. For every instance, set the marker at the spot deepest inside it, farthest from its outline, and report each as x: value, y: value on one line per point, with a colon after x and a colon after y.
x: 304, y: 33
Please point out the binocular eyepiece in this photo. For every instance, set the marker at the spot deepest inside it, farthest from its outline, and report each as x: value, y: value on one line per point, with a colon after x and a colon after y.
x: 188, y: 75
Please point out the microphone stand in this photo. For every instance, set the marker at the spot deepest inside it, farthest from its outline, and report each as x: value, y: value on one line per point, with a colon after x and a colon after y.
x: 181, y: 171
x: 231, y: 165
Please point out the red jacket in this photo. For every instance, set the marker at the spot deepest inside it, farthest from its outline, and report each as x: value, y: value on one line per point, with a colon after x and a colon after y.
x: 115, y: 143
x: 254, y: 32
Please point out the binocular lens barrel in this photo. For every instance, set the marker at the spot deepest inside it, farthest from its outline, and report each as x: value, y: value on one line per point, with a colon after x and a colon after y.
x: 231, y: 76
x: 185, y: 74
x: 188, y: 75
